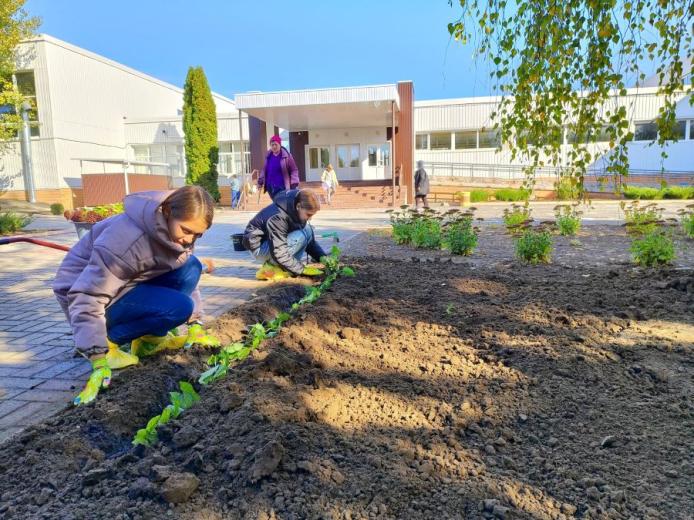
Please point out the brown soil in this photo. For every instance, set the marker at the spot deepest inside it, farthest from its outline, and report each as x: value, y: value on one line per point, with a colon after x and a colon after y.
x: 415, y: 390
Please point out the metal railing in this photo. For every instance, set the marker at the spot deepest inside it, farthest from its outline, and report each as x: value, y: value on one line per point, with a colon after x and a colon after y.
x: 595, y: 179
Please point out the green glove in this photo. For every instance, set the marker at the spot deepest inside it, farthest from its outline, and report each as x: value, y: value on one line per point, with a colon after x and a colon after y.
x: 311, y: 271
x: 100, y: 378
x: 198, y: 336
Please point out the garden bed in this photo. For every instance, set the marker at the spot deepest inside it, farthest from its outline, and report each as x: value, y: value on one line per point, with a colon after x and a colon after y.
x: 415, y: 390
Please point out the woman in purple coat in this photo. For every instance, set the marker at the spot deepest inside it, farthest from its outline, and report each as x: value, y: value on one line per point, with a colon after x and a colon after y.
x: 279, y: 172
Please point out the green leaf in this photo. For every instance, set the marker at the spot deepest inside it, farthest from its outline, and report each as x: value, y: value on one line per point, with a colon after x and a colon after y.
x: 347, y: 271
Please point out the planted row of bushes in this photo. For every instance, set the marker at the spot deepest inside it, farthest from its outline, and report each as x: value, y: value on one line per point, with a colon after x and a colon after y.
x: 672, y: 192
x: 453, y: 230
x: 502, y: 194
x: 652, y: 246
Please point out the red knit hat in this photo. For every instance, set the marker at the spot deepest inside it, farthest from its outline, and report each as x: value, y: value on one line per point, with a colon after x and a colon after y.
x: 276, y: 139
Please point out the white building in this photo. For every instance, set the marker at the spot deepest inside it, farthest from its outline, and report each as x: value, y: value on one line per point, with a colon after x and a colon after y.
x: 97, y: 119
x: 90, y: 107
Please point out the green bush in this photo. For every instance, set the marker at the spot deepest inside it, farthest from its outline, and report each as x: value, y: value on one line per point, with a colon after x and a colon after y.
x: 11, y: 223
x: 402, y: 232
x: 57, y: 208
x: 460, y: 237
x: 653, y: 250
x: 512, y: 194
x: 516, y: 217
x: 641, y: 220
x: 688, y: 221
x: 426, y: 233
x: 639, y: 193
x: 568, y: 219
x: 678, y: 192
x: 481, y: 195
x: 534, y: 247
x: 567, y: 189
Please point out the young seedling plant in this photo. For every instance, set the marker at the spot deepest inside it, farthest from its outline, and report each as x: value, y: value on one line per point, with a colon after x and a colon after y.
x: 517, y: 218
x: 180, y: 401
x: 568, y: 219
x: 228, y: 355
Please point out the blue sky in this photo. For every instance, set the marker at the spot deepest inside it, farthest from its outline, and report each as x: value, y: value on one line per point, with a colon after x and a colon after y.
x: 273, y: 45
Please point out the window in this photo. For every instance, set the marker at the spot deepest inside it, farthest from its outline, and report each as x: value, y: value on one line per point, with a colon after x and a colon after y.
x: 379, y: 154
x: 489, y: 139
x: 421, y: 141
x: 691, y: 129
x: 233, y: 157
x: 680, y: 130
x: 26, y: 85
x: 646, y: 132
x: 440, y: 141
x: 354, y: 156
x: 466, y: 140
x: 347, y: 155
x: 318, y: 158
x: 172, y: 154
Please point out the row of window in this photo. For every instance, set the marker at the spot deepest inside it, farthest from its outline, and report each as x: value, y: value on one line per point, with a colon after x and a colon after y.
x: 489, y: 139
x: 349, y: 155
x: 462, y: 140
x: 230, y: 159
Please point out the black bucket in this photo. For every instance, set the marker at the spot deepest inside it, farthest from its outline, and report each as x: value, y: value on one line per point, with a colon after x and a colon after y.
x: 237, y: 240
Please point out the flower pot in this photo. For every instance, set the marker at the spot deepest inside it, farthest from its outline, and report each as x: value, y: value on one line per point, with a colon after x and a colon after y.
x: 82, y: 228
x: 237, y: 240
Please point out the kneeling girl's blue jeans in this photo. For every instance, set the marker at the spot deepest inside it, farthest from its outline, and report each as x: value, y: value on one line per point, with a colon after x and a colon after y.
x: 297, y: 242
x: 155, y: 306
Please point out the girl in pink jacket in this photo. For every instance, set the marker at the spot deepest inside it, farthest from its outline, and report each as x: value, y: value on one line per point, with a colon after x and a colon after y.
x: 133, y: 278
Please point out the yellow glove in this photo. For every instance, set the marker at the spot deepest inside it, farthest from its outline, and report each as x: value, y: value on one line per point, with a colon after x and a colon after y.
x: 311, y: 271
x: 100, y: 378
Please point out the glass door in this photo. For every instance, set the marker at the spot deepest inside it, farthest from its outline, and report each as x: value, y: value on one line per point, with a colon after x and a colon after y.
x: 317, y: 158
x: 378, y: 165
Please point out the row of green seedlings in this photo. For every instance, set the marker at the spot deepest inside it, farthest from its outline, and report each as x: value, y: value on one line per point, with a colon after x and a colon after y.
x: 453, y: 230
x: 653, y: 243
x: 222, y: 361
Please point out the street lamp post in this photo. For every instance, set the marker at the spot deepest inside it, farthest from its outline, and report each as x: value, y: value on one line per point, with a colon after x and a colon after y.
x: 27, y: 165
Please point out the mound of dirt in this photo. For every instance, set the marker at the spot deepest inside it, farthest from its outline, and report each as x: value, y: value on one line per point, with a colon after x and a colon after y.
x: 415, y: 390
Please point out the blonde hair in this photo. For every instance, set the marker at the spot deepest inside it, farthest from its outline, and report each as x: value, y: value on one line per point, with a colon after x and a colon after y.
x: 329, y: 167
x: 189, y: 203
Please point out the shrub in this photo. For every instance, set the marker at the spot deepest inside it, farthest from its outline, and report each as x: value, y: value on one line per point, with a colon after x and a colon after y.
x: 688, y: 220
x: 512, y: 194
x: 568, y: 219
x: 460, y: 237
x: 653, y: 249
x: 402, y: 223
x: 57, y: 208
x: 639, y: 219
x: 481, y: 195
x: 639, y: 193
x: 426, y: 233
x: 95, y: 214
x: 11, y: 222
x: 534, y: 247
x: 678, y: 192
x: 567, y: 189
x: 517, y: 217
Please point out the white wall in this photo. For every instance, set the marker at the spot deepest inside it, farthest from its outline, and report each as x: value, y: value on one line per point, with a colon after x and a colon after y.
x: 361, y: 136
x: 85, y: 105
x: 642, y: 105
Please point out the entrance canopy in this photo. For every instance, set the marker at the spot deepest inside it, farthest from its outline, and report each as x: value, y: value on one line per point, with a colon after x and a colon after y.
x: 348, y: 107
